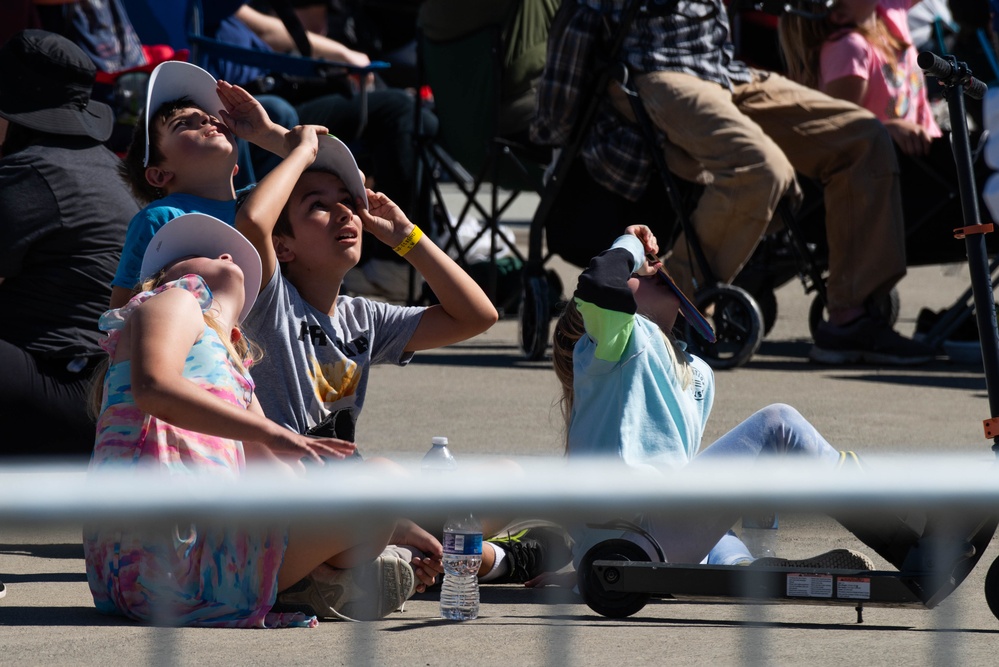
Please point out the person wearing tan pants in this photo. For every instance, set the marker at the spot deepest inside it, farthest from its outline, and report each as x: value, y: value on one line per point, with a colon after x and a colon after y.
x: 743, y: 133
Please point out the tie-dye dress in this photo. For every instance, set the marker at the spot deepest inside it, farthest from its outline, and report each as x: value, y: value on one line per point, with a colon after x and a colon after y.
x: 211, y: 575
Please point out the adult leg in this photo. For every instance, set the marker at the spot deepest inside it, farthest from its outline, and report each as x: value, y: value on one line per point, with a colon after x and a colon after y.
x: 43, y: 407
x: 847, y: 150
x: 747, y: 174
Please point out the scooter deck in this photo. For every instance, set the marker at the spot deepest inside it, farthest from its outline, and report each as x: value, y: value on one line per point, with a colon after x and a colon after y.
x: 762, y: 585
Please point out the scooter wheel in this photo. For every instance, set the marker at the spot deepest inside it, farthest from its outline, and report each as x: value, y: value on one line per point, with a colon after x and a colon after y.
x: 992, y: 588
x: 612, y: 604
x: 535, y: 317
x: 738, y: 323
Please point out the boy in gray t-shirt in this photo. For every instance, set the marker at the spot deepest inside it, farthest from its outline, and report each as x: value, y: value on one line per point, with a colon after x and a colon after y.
x: 314, y: 374
x: 306, y: 219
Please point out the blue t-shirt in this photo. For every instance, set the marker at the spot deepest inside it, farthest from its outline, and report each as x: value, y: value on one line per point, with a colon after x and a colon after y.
x: 148, y: 221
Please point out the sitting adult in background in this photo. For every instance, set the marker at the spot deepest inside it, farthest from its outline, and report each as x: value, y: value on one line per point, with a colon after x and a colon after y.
x: 742, y: 133
x: 63, y: 216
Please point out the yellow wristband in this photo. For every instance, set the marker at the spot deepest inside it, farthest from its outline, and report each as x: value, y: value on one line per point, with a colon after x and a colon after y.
x: 409, y: 242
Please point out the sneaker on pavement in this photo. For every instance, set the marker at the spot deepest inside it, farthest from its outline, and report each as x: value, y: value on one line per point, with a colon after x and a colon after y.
x: 531, y: 549
x: 837, y: 559
x: 364, y: 593
x: 869, y: 340
x: 3, y: 589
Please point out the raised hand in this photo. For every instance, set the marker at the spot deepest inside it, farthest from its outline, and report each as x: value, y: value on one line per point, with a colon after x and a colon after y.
x: 241, y: 112
x: 384, y: 219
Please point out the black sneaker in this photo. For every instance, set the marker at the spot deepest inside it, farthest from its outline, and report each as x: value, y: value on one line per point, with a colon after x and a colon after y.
x: 540, y: 547
x: 867, y: 340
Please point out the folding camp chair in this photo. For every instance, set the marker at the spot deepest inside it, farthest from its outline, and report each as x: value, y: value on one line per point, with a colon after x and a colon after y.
x: 465, y: 75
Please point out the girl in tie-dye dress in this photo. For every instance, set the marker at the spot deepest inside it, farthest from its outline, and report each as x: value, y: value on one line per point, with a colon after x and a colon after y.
x: 167, y: 357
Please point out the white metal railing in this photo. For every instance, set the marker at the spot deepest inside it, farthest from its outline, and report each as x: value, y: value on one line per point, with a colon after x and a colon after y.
x: 38, y: 494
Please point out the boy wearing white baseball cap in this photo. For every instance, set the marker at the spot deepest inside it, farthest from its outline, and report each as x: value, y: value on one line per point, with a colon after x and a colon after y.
x: 182, y: 158
x: 306, y: 219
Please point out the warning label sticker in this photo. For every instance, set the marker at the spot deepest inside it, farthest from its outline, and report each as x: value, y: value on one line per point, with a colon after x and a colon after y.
x: 853, y: 588
x: 809, y: 585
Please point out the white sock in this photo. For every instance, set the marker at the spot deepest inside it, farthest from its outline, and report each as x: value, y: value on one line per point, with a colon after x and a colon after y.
x: 498, y: 569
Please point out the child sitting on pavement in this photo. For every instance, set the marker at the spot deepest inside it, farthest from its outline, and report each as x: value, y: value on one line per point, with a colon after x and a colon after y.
x: 306, y: 218
x: 182, y: 158
x: 177, y: 399
x: 613, y: 346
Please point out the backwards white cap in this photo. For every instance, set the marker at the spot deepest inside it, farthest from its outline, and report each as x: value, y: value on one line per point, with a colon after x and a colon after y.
x: 174, y: 79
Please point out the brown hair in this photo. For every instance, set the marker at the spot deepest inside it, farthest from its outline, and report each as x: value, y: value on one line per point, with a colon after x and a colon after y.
x: 801, y: 39
x: 132, y: 169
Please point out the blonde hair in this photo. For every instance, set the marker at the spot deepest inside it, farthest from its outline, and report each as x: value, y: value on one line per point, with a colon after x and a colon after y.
x: 801, y: 39
x: 568, y: 330
x: 242, y: 352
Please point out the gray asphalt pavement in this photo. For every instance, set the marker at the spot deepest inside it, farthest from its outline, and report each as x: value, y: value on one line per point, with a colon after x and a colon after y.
x: 488, y: 400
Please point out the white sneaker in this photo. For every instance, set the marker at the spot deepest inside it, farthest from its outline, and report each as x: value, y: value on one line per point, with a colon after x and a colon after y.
x: 364, y: 593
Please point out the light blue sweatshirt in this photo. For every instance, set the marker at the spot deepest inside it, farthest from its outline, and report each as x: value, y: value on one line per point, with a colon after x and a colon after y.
x: 628, y: 400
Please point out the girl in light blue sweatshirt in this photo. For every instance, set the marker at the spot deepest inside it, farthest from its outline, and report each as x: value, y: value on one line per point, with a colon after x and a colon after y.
x: 631, y: 391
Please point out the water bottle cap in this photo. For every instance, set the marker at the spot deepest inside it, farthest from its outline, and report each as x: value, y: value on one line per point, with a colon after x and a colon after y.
x: 438, y: 440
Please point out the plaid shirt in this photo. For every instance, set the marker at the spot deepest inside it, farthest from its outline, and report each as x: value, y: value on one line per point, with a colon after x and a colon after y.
x: 689, y: 36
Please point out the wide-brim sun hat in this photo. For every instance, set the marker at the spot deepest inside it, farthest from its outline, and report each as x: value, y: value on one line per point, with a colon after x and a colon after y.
x: 335, y: 157
x: 174, y: 79
x: 45, y: 85
x: 200, y: 235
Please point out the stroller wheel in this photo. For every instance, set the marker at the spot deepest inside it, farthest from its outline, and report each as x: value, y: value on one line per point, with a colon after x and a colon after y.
x: 612, y: 604
x: 535, y: 314
x: 885, y: 308
x: 738, y: 324
x: 992, y: 588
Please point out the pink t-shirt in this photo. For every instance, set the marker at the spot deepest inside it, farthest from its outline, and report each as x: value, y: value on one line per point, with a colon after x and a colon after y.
x: 892, y: 92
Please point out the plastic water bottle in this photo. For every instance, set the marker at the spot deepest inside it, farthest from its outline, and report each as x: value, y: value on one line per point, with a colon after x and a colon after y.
x: 462, y: 559
x: 439, y: 458
x: 759, y: 534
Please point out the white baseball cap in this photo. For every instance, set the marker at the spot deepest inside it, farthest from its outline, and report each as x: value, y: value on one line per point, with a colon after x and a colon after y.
x: 174, y: 79
x: 200, y: 235
x: 335, y: 157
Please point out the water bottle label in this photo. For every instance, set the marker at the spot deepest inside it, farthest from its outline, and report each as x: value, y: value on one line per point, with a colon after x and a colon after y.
x: 463, y: 544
